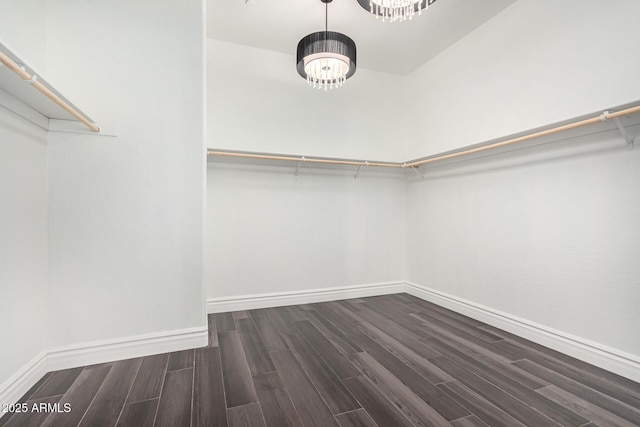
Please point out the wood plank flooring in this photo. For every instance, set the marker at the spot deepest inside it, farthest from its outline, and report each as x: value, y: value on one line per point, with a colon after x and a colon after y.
x: 382, y: 361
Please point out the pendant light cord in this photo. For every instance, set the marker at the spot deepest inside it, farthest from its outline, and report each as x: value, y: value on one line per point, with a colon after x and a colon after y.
x: 326, y: 17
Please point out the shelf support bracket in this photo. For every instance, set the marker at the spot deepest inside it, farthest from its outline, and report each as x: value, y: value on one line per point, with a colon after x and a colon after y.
x: 415, y: 169
x: 625, y: 134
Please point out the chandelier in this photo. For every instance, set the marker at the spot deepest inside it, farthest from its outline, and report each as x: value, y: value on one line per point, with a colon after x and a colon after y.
x: 395, y: 10
x: 326, y: 59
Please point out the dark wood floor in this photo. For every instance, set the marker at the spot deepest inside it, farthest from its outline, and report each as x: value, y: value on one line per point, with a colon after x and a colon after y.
x: 386, y: 361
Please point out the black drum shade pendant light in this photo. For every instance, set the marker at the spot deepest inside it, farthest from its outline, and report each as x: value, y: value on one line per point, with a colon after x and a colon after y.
x: 326, y: 59
x: 395, y: 10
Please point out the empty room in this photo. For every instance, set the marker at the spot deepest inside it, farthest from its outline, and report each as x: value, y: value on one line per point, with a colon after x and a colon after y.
x: 319, y: 213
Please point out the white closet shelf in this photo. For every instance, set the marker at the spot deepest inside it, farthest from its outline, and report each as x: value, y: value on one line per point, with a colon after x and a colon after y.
x: 26, y: 93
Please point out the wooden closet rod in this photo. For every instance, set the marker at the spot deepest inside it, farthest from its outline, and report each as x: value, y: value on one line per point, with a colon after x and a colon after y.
x: 416, y: 163
x: 304, y: 159
x: 28, y: 78
x: 580, y: 123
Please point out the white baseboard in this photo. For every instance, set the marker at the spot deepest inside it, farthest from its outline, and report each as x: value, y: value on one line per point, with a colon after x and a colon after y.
x: 90, y: 353
x: 278, y: 299
x: 610, y: 359
x: 19, y: 383
x: 125, y: 348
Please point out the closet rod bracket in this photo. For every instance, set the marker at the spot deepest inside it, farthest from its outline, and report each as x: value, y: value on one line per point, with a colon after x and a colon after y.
x: 415, y: 169
x: 298, y: 165
x: 625, y: 134
x: 31, y: 80
x: 366, y: 163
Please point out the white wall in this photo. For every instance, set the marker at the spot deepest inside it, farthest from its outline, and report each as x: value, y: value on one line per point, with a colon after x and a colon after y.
x: 270, y: 231
x: 547, y: 234
x: 258, y: 102
x: 23, y: 26
x: 126, y: 213
x: 23, y: 242
x: 23, y: 204
x: 536, y: 63
x: 542, y: 234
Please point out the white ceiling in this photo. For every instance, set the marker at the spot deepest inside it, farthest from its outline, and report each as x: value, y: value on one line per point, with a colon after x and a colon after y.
x: 396, y: 48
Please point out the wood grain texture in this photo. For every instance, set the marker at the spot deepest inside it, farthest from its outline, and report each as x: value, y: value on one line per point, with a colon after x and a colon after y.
x: 139, y: 414
x: 57, y: 383
x: 110, y: 399
x: 270, y: 336
x: 470, y: 421
x: 608, y: 403
x: 277, y: 407
x: 390, y: 327
x: 209, y: 407
x: 414, y: 408
x: 480, y: 361
x: 335, y: 335
x: 518, y: 409
x: 327, y: 351
x: 175, y: 403
x: 429, y: 307
x: 283, y: 324
x: 480, y: 407
x: 328, y: 385
x: 180, y: 360
x: 586, y: 409
x: 212, y: 331
x: 471, y: 369
x: 616, y: 390
x: 357, y: 418
x: 404, y: 353
x: 246, y: 416
x: 242, y: 314
x: 517, y: 345
x: 148, y: 382
x: 238, y: 385
x: 296, y: 314
x: 383, y: 412
x: 309, y: 404
x: 80, y: 395
x: 383, y: 361
x: 32, y: 391
x: 424, y: 330
x: 448, y: 322
x: 433, y: 396
x: 224, y: 322
x: 459, y: 338
x: 256, y: 353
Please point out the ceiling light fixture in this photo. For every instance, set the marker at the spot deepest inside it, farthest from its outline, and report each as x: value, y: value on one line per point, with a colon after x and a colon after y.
x: 395, y: 10
x: 326, y: 59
